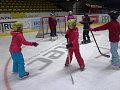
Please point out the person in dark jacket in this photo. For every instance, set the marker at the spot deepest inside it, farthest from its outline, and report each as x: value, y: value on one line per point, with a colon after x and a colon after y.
x: 114, y: 36
x: 86, y: 25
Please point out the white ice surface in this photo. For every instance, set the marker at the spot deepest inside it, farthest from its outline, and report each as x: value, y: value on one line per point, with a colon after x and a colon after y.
x: 98, y: 74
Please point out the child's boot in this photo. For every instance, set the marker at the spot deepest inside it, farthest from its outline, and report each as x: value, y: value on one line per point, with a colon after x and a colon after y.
x: 25, y: 76
x: 82, y: 68
x: 84, y: 42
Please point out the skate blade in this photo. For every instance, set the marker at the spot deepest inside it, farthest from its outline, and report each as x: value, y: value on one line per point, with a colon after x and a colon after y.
x: 24, y: 77
x: 115, y: 67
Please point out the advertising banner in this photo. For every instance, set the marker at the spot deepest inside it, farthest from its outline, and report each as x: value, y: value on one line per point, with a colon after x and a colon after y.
x: 36, y: 23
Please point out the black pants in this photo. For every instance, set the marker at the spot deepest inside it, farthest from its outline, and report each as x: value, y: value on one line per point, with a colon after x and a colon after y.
x: 86, y: 35
x: 53, y: 32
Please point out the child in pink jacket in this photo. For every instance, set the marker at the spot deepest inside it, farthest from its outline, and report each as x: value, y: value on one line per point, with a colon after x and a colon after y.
x: 72, y: 35
x: 15, y: 49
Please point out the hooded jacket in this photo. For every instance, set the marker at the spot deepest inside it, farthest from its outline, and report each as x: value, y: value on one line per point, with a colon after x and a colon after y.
x: 73, y: 36
x: 17, y: 41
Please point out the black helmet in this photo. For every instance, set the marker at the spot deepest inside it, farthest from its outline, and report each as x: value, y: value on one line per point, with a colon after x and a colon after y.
x: 114, y: 14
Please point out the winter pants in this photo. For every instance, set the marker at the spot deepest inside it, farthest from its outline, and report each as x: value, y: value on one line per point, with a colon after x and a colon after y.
x: 77, y: 55
x: 18, y: 63
x: 86, y: 34
x: 115, y: 56
x: 53, y: 32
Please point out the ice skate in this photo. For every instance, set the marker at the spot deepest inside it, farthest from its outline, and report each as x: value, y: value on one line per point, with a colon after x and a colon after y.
x: 52, y: 39
x: 84, y: 42
x: 66, y: 65
x: 25, y: 76
x: 82, y: 68
x: 88, y: 41
x: 115, y: 66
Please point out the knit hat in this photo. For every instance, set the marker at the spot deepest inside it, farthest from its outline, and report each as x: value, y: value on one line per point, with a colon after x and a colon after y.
x: 16, y: 25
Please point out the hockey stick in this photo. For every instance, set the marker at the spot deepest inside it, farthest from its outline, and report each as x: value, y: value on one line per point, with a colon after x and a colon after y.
x: 69, y: 63
x: 108, y: 56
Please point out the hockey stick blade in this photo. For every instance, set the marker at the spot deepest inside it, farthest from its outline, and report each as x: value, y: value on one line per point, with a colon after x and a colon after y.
x: 108, y: 56
x: 72, y: 79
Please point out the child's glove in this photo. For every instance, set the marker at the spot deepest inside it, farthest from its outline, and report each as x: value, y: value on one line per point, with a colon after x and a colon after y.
x: 69, y: 45
x: 66, y: 36
x: 91, y: 29
x: 35, y: 44
x: 81, y: 22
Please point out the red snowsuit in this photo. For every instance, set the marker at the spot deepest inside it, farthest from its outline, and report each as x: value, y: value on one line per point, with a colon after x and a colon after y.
x: 73, y: 36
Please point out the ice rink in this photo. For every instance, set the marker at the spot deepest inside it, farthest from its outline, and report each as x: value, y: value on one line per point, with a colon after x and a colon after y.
x: 45, y: 64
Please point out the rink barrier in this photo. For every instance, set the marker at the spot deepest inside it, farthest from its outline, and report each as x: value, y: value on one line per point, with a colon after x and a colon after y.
x: 33, y: 24
x: 29, y: 31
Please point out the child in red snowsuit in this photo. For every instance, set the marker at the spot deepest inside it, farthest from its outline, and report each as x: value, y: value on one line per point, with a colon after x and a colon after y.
x: 15, y: 49
x: 72, y: 35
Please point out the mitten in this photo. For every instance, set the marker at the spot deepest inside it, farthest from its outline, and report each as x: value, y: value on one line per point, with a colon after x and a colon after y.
x: 69, y: 45
x: 66, y: 36
x: 35, y: 44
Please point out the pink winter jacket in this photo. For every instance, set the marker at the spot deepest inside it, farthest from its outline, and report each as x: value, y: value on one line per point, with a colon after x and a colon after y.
x: 73, y: 36
x: 70, y: 17
x: 17, y: 41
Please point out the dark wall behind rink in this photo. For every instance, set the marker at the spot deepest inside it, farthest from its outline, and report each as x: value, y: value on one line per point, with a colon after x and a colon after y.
x: 110, y: 3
